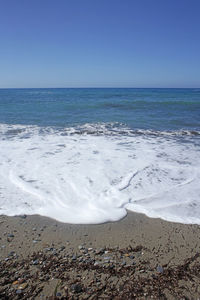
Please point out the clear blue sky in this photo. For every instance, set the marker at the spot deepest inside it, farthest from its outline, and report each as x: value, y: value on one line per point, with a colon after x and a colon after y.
x: 99, y: 43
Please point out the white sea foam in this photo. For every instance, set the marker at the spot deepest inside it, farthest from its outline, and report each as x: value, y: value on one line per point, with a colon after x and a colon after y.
x: 93, y: 174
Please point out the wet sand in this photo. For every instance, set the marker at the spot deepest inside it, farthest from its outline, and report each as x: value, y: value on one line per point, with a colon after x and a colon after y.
x: 135, y: 258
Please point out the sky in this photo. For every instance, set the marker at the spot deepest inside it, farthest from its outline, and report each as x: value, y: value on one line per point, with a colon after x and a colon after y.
x: 99, y: 43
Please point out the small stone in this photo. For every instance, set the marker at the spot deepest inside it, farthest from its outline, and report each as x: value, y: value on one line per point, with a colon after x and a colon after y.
x: 80, y: 247
x: 12, y: 253
x: 47, y: 249
x: 123, y: 263
x: 76, y: 288
x: 80, y: 259
x: 35, y: 262
x: 20, y: 280
x: 100, y: 251
x: 18, y: 292
x: 23, y: 286
x: 159, y: 269
x: 23, y: 216
x: 34, y: 229
x: 11, y: 235
x: 131, y: 256
x: 15, y: 282
x: 58, y: 294
x: 74, y: 257
x: 107, y: 258
x: 62, y: 248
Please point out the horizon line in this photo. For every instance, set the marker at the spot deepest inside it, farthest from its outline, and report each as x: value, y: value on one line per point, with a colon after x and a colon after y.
x: 96, y: 87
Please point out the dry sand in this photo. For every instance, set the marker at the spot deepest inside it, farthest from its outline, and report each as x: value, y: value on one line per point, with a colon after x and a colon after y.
x: 135, y: 258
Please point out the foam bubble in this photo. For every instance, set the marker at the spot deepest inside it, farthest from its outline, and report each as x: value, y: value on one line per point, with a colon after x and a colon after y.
x: 94, y: 173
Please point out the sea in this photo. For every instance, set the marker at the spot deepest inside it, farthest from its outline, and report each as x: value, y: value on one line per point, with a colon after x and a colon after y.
x: 89, y: 156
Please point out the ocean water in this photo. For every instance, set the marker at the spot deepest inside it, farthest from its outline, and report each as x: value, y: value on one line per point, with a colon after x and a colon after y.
x: 89, y: 155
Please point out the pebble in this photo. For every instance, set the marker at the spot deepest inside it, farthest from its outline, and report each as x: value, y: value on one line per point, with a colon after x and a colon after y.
x: 159, y: 269
x: 20, y: 280
x: 54, y: 252
x: 80, y: 259
x: 142, y: 271
x: 80, y: 247
x: 100, y: 251
x: 62, y: 248
x: 107, y: 258
x: 58, y: 294
x: 36, y: 262
x: 7, y: 258
x: 22, y: 216
x: 76, y: 288
x: 48, y: 249
x: 23, y: 286
x: 10, y: 235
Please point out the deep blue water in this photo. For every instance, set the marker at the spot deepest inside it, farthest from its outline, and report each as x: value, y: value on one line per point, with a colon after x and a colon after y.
x: 156, y: 109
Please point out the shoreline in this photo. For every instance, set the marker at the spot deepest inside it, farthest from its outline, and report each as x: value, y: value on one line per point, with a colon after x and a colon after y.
x: 136, y: 248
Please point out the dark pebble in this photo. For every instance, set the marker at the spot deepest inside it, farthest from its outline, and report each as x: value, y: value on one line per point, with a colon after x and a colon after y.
x: 22, y: 216
x: 36, y: 262
x: 100, y: 251
x: 76, y: 288
x: 12, y: 253
x: 10, y: 235
x: 62, y: 248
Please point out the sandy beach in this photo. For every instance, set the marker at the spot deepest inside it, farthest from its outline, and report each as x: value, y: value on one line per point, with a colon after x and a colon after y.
x: 135, y: 258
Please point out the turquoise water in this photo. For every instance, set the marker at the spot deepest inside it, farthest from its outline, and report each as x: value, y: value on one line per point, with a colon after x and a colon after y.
x: 157, y: 109
x: 89, y: 155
